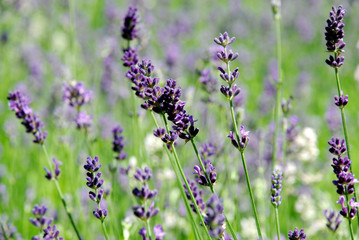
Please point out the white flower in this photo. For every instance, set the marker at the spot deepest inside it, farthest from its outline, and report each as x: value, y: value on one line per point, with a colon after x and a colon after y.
x: 306, y: 145
x: 152, y: 144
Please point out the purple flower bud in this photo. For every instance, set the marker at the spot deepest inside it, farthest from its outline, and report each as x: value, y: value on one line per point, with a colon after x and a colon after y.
x: 297, y: 235
x: 83, y: 121
x: 158, y: 231
x: 197, y: 194
x: 129, y: 57
x: 337, y: 146
x: 76, y: 95
x: 334, y: 32
x: 342, y: 100
x: 143, y: 175
x: 215, y: 219
x: 277, y: 179
x: 159, y: 132
x: 333, y: 219
x: 52, y: 233
x: 118, y: 143
x: 224, y: 39
x: 129, y: 30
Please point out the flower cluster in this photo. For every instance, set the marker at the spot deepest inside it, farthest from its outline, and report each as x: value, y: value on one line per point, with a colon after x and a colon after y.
x: 197, y: 194
x: 297, y: 235
x: 333, y: 219
x: 242, y: 141
x: 94, y: 181
x: 277, y: 178
x: 164, y: 101
x: 20, y: 104
x: 44, y: 224
x: 76, y: 95
x: 341, y: 101
x: 129, y: 30
x: 118, y: 143
x: 144, y: 194
x: 215, y: 219
x: 334, y: 35
x: 55, y: 175
x: 157, y: 230
x: 227, y: 56
x: 40, y: 221
x: 345, y: 179
x: 209, y: 83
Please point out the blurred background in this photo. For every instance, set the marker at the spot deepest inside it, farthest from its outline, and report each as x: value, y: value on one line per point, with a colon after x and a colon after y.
x: 46, y: 43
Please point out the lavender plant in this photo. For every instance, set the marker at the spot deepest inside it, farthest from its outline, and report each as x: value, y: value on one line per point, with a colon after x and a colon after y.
x: 239, y: 138
x: 345, y: 180
x: 20, y: 104
x: 333, y: 219
x: 297, y: 235
x: 276, y: 198
x: 95, y: 182
x: 143, y: 212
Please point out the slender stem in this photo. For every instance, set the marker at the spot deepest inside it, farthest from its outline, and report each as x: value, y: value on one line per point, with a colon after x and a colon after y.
x: 349, y: 220
x: 345, y: 130
x: 277, y: 222
x: 211, y: 186
x: 183, y: 194
x: 3, y: 231
x: 284, y: 138
x: 246, y: 173
x: 102, y: 220
x: 174, y: 153
x: 61, y: 195
x: 278, y: 91
x: 148, y: 227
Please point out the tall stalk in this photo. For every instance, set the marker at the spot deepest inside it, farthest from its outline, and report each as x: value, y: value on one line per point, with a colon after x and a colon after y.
x: 279, y: 85
x: 179, y: 166
x: 277, y: 222
x: 345, y: 129
x: 183, y: 194
x: 61, y: 195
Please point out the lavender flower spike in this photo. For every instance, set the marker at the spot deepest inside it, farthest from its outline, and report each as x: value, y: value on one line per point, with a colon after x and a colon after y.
x: 75, y: 94
x: 333, y: 219
x: 130, y: 22
x: 118, y: 143
x: 297, y: 235
x: 52, y: 233
x: 215, y: 219
x: 341, y: 101
x: 345, y: 210
x: 277, y: 179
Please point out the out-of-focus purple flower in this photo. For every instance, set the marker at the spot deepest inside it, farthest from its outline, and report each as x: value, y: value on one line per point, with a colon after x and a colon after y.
x: 51, y: 233
x: 297, y: 235
x: 129, y: 30
x: 75, y: 94
x: 333, y: 219
x: 8, y: 231
x: 215, y: 219
x: 143, y: 214
x: 345, y: 210
x: 158, y: 231
x: 83, y: 121
x: 118, y: 143
x: 94, y: 181
x: 209, y: 83
x: 201, y: 177
x: 341, y: 101
x: 51, y: 176
x: 277, y: 178
x: 333, y: 119
x: 243, y: 138
x: 144, y: 193
x: 20, y: 104
x: 334, y: 35
x: 197, y: 194
x: 143, y: 175
x: 40, y: 221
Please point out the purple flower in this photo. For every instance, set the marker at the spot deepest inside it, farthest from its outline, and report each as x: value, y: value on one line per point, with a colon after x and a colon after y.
x: 52, y: 233
x: 130, y: 57
x: 95, y: 182
x: 197, y: 194
x: 277, y: 179
x: 130, y: 22
x: 40, y: 221
x: 118, y: 143
x: 334, y: 35
x: 337, y: 146
x: 144, y: 193
x: 333, y: 219
x: 83, y: 121
x: 209, y: 83
x: 20, y: 104
x: 143, y: 214
x: 214, y: 218
x: 143, y: 175
x: 353, y: 207
x: 297, y: 235
x: 158, y: 231
x: 243, y: 139
x: 341, y: 101
x: 224, y: 39
x: 75, y: 94
x: 51, y: 176
x: 201, y: 177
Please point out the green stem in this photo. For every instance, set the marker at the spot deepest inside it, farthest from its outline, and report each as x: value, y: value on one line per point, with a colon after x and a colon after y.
x: 73, y: 36
x: 246, y: 173
x: 102, y: 220
x: 174, y: 153
x: 211, y: 185
x: 277, y: 222
x: 3, y: 231
x: 349, y: 220
x: 278, y: 91
x: 183, y: 194
x: 148, y: 227
x: 345, y: 129
x: 284, y: 138
x: 61, y: 195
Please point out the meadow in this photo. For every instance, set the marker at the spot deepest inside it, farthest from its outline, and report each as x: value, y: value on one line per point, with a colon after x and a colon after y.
x: 155, y: 119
